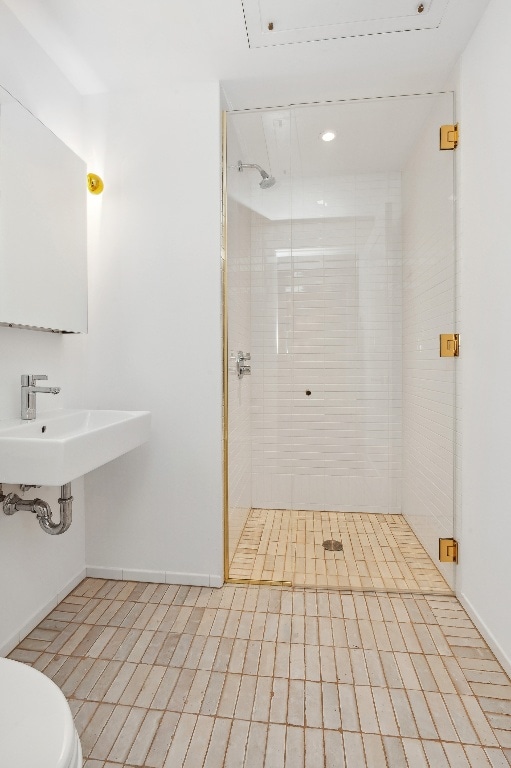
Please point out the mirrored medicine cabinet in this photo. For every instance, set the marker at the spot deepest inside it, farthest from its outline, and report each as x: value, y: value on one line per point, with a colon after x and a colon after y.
x: 43, y: 225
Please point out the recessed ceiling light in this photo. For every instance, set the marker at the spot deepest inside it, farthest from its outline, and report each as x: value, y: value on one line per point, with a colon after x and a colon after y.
x: 328, y: 136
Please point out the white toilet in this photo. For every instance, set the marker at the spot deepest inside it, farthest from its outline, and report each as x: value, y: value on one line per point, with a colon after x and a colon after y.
x: 36, y: 725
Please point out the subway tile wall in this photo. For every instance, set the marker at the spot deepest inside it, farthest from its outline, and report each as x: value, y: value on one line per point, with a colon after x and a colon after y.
x: 326, y: 319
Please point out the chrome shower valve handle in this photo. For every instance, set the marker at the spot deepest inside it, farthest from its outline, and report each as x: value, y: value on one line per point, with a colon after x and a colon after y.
x: 241, y: 368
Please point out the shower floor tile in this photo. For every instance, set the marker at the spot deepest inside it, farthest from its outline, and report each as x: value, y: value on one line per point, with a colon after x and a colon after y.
x: 379, y: 552
x: 165, y: 676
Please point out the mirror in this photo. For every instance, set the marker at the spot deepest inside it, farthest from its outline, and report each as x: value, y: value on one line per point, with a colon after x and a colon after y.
x: 43, y: 225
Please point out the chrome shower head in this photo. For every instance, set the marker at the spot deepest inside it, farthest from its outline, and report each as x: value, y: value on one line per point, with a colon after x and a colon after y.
x: 267, y: 180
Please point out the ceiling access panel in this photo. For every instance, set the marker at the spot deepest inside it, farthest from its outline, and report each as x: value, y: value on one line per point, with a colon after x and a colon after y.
x: 282, y: 22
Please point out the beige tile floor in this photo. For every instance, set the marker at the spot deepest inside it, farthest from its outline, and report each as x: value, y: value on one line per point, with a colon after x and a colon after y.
x: 265, y: 677
x: 379, y: 551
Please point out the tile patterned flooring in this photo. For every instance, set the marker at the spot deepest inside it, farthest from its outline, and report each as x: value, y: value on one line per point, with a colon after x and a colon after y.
x: 379, y: 551
x: 164, y: 676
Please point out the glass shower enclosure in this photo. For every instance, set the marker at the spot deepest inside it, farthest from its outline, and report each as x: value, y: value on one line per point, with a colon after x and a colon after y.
x: 339, y: 277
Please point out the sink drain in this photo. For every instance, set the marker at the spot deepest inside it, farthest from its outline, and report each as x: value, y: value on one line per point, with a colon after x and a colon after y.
x: 331, y: 545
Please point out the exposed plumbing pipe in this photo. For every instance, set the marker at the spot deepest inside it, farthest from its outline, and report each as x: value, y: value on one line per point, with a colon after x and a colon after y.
x: 13, y: 503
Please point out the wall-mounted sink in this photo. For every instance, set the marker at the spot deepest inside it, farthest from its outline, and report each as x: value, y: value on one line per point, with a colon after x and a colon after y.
x: 61, y: 445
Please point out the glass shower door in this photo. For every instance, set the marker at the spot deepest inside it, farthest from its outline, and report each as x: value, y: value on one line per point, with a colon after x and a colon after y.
x: 429, y: 309
x: 349, y: 267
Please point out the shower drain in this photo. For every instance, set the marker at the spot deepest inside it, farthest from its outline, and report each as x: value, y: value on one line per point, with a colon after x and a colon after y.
x: 331, y: 545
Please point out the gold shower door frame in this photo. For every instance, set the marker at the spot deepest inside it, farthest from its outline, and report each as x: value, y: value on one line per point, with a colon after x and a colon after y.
x: 225, y: 377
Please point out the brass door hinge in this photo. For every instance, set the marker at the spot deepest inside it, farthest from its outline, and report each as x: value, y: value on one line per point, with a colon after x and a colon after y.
x: 448, y: 550
x: 449, y: 136
x: 449, y: 345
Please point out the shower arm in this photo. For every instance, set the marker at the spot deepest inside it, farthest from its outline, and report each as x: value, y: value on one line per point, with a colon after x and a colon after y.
x: 263, y: 173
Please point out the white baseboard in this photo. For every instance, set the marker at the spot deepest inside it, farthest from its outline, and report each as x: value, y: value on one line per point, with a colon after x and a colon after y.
x: 193, y: 579
x: 501, y: 655
x: 11, y: 643
x: 97, y: 572
x: 155, y: 577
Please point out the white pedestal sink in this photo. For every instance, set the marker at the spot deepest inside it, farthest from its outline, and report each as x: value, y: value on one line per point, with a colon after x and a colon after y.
x: 61, y: 445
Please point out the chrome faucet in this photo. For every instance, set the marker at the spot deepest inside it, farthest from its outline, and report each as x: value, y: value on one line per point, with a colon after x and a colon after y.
x: 29, y: 391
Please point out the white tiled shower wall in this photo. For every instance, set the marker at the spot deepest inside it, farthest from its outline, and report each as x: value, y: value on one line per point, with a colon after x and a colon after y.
x: 326, y: 318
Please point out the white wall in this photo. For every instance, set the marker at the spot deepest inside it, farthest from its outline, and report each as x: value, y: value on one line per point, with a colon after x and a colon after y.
x: 485, y: 239
x: 326, y: 317
x: 155, y: 333
x: 428, y: 310
x: 34, y: 567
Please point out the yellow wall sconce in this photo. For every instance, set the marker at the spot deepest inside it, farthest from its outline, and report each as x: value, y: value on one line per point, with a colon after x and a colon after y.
x: 95, y: 184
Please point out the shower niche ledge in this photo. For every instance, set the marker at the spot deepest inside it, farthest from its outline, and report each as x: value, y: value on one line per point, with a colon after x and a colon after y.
x: 61, y: 445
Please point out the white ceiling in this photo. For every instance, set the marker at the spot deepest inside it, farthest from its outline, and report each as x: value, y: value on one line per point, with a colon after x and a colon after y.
x: 121, y: 44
